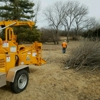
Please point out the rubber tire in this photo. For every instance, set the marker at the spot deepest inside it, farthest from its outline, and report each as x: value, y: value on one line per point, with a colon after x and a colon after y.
x: 14, y: 85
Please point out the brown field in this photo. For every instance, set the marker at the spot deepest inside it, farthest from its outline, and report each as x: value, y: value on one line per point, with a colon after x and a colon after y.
x: 52, y: 82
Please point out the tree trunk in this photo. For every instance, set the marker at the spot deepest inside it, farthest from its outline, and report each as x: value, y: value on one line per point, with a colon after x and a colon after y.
x: 67, y: 33
x: 67, y: 36
x: 57, y: 37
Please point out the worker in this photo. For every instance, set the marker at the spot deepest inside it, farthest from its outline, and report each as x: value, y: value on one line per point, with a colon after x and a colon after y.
x: 64, y: 46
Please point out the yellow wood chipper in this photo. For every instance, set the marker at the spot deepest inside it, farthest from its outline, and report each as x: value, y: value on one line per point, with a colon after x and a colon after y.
x: 15, y: 58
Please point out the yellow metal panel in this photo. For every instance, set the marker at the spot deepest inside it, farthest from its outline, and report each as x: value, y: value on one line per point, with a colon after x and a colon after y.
x: 10, y: 46
x: 24, y: 58
x: 7, y: 61
x: 3, y: 70
x: 10, y: 61
x: 2, y: 63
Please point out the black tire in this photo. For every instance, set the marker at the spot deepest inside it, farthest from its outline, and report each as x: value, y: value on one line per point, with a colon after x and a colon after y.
x: 20, y: 81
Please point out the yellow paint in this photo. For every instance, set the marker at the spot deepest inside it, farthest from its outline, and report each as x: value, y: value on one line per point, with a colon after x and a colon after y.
x: 9, y: 48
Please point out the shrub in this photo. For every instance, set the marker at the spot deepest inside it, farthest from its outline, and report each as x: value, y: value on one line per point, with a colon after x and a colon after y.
x: 75, y: 38
x: 87, y: 55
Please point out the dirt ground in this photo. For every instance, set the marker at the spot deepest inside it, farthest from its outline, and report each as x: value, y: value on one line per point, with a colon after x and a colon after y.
x: 52, y: 82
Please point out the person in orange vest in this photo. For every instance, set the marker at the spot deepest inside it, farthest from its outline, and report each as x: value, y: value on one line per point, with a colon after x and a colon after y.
x: 64, y: 46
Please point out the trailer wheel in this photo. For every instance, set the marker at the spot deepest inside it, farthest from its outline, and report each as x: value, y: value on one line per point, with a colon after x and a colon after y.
x: 20, y: 81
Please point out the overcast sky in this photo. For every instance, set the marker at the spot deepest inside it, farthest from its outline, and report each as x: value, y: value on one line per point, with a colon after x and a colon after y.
x: 93, y: 7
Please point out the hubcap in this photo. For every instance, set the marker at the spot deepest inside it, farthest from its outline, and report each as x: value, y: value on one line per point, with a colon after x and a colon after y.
x: 22, y: 81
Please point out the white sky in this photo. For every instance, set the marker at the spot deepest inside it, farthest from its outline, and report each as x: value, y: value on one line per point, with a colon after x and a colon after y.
x: 93, y: 7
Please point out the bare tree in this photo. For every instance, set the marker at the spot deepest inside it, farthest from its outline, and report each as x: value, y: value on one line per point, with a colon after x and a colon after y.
x: 74, y: 13
x: 37, y: 8
x: 54, y: 15
x: 47, y: 34
x: 93, y: 25
x: 80, y: 19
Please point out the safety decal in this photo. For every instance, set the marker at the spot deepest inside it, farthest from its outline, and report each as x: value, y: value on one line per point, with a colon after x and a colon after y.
x: 22, y: 63
x: 5, y: 44
x: 34, y: 54
x: 8, y: 58
x: 29, y: 53
x: 13, y: 49
x: 28, y: 57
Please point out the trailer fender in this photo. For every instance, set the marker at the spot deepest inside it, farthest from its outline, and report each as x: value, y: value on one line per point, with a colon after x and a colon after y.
x: 12, y: 72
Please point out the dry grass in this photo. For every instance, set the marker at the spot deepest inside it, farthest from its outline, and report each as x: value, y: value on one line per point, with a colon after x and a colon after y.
x: 51, y: 82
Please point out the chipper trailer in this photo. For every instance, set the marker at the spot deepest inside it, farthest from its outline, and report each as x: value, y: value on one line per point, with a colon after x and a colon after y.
x: 15, y: 58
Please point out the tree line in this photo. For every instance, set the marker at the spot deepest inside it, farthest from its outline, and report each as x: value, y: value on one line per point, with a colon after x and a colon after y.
x: 72, y: 17
x: 68, y: 18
